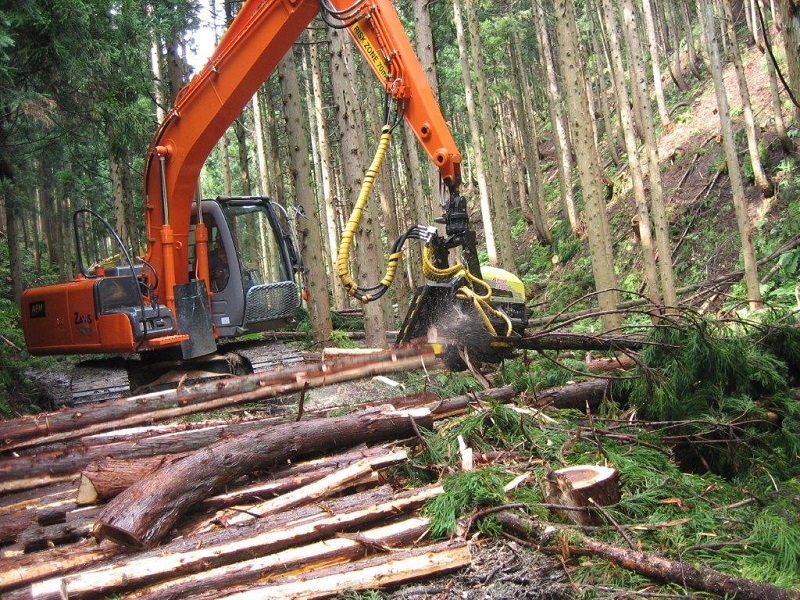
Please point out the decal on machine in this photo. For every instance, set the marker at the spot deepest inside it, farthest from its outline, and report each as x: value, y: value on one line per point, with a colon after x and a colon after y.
x: 84, y: 324
x: 37, y: 310
x: 369, y: 50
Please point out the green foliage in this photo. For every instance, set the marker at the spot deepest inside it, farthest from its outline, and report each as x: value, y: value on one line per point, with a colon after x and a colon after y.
x: 721, y: 386
x: 464, y: 492
x: 365, y: 595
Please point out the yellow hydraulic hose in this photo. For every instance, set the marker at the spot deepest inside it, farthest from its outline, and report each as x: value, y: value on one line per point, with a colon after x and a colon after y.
x: 343, y: 258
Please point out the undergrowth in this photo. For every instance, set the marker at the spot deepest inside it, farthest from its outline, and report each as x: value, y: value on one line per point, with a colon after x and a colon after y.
x: 718, y: 389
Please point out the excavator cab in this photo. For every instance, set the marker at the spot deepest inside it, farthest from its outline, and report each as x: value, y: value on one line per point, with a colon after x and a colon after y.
x: 253, y: 264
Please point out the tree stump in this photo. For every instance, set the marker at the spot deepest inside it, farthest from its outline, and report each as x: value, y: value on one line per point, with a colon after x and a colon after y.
x: 575, y: 488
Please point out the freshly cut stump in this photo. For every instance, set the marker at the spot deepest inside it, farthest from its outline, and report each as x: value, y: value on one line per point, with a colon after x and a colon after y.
x: 578, y: 487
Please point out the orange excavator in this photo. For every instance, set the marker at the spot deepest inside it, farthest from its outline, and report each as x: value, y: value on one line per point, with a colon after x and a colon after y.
x: 220, y: 268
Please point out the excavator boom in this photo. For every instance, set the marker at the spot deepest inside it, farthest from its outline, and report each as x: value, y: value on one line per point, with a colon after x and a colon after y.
x: 257, y: 39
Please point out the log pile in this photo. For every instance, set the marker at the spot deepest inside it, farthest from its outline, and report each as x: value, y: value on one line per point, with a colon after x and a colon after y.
x: 121, y: 499
x: 256, y: 507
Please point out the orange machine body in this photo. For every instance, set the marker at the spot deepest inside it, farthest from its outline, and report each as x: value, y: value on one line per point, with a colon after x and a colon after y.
x: 257, y: 39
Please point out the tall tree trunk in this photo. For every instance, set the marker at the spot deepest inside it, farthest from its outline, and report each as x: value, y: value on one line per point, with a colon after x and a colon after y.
x: 732, y: 158
x: 10, y: 203
x: 760, y: 176
x: 560, y: 132
x: 315, y: 279
x: 419, y: 204
x: 640, y: 88
x: 355, y: 161
x: 588, y: 163
x: 118, y: 193
x: 600, y: 62
x: 486, y: 207
x: 789, y: 18
x: 427, y: 58
x: 158, y: 76
x: 676, y: 68
x: 264, y: 186
x: 526, y: 118
x: 328, y: 212
x: 694, y: 59
x: 494, y: 166
x: 767, y: 44
x: 642, y: 227
x: 225, y: 156
x: 244, y: 161
x: 655, y: 60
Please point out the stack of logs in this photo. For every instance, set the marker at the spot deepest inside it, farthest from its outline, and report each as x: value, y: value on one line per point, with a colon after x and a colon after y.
x: 100, y: 500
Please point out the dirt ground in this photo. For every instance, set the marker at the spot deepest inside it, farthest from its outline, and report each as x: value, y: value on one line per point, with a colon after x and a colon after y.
x: 500, y: 570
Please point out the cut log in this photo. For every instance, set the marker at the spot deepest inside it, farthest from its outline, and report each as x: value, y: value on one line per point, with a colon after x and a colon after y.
x: 144, y: 513
x: 578, y: 395
x: 18, y: 571
x: 335, y: 482
x: 105, y: 479
x: 74, y: 423
x: 379, y: 572
x: 578, y: 486
x: 158, y: 565
x: 292, y: 477
x: 26, y: 472
x: 655, y: 566
x: 306, y: 557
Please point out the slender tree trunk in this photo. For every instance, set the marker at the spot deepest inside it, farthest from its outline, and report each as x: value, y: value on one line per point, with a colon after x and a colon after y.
x: 155, y: 66
x: 244, y: 161
x: 768, y: 40
x: 560, y: 132
x: 355, y: 161
x: 789, y: 18
x: 533, y: 198
x: 694, y: 59
x: 602, y: 93
x: 13, y: 220
x: 117, y: 192
x: 261, y: 150
x: 762, y: 180
x: 483, y: 187
x: 639, y: 86
x: 655, y: 59
x: 732, y: 158
x: 427, y: 57
x: 326, y: 167
x: 315, y: 279
x: 588, y: 162
x: 642, y: 229
x: 493, y: 164
x: 676, y: 68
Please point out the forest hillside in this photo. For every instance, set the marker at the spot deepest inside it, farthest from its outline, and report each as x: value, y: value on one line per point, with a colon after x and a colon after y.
x: 633, y: 162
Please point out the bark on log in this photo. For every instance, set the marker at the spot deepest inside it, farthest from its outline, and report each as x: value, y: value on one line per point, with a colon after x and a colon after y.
x: 574, y: 395
x: 335, y: 482
x: 307, y: 557
x: 158, y: 565
x: 106, y: 478
x: 23, y: 570
x: 73, y: 423
x: 144, y: 513
x: 578, y: 486
x: 289, y: 478
x: 26, y: 472
x: 383, y: 571
x: 657, y: 567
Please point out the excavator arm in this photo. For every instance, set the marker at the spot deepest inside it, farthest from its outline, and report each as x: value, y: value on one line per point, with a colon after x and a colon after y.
x: 257, y: 39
